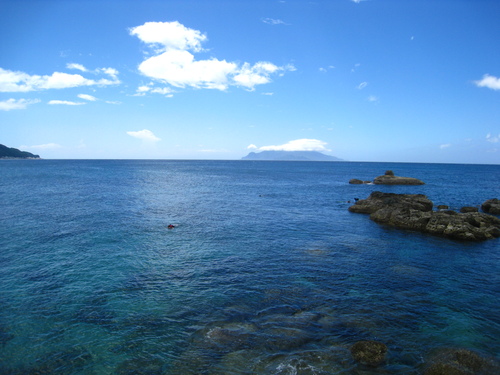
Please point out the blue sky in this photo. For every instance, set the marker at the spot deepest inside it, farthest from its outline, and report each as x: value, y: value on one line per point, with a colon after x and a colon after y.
x: 364, y: 80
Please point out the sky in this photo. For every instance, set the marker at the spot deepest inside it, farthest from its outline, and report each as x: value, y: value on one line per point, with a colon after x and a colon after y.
x: 362, y: 80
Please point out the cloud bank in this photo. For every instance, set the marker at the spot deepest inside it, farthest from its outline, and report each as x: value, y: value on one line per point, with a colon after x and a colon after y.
x: 298, y: 145
x: 11, y: 81
x: 64, y: 102
x: 173, y: 62
x: 47, y: 146
x: 10, y: 104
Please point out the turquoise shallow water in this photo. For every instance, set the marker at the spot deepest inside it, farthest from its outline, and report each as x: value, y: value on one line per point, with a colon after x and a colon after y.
x: 266, y: 272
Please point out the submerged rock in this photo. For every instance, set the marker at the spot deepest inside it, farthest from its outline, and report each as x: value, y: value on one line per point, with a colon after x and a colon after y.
x: 491, y: 206
x: 460, y: 362
x: 390, y: 179
x: 356, y: 181
x: 370, y: 353
x: 469, y: 209
x: 414, y: 212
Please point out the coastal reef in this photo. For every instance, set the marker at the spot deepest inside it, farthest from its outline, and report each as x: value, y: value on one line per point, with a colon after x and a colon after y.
x: 389, y: 179
x: 414, y: 212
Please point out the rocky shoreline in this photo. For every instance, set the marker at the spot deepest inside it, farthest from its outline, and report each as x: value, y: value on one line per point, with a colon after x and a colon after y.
x: 415, y: 212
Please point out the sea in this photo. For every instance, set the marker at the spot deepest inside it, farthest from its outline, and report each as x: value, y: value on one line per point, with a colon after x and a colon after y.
x: 264, y: 272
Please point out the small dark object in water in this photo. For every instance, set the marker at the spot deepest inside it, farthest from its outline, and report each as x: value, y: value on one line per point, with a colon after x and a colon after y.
x: 171, y: 226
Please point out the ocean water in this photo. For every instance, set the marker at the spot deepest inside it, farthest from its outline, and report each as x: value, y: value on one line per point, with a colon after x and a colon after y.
x: 265, y: 272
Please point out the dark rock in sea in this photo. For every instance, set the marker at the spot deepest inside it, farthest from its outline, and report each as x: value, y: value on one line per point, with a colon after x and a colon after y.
x: 390, y: 179
x: 491, y: 206
x: 370, y: 353
x: 414, y: 212
x: 460, y: 362
x: 356, y: 181
x: 469, y: 209
x: 442, y: 207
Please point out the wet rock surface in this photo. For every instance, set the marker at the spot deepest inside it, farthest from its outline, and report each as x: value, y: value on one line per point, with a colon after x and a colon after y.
x: 370, y: 353
x: 491, y: 206
x: 414, y: 212
x: 390, y: 179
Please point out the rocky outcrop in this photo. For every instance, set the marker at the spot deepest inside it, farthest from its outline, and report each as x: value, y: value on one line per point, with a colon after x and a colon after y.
x: 370, y: 353
x: 491, y: 206
x: 390, y: 179
x: 414, y: 212
x: 378, y: 200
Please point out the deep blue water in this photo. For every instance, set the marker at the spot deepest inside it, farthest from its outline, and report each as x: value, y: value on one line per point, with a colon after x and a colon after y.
x: 266, y: 272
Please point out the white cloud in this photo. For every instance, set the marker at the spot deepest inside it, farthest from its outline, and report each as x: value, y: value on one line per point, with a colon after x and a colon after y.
x: 372, y: 98
x: 11, y: 81
x: 272, y: 21
x: 178, y: 68
x: 142, y: 90
x: 443, y: 146
x: 163, y: 91
x: 324, y: 70
x: 488, y: 81
x: 7, y: 105
x: 258, y: 74
x: 174, y: 63
x: 47, y: 146
x: 79, y: 67
x: 145, y: 135
x: 64, y: 102
x: 90, y: 98
x: 113, y: 73
x: 362, y: 85
x: 169, y: 35
x: 251, y: 147
x: 298, y: 145
x: 493, y: 138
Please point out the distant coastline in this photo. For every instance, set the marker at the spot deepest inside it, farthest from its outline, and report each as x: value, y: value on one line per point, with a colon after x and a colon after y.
x: 290, y: 156
x: 14, y: 153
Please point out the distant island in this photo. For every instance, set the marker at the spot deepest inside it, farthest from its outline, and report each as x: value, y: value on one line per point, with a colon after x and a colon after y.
x: 14, y: 153
x: 290, y: 156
